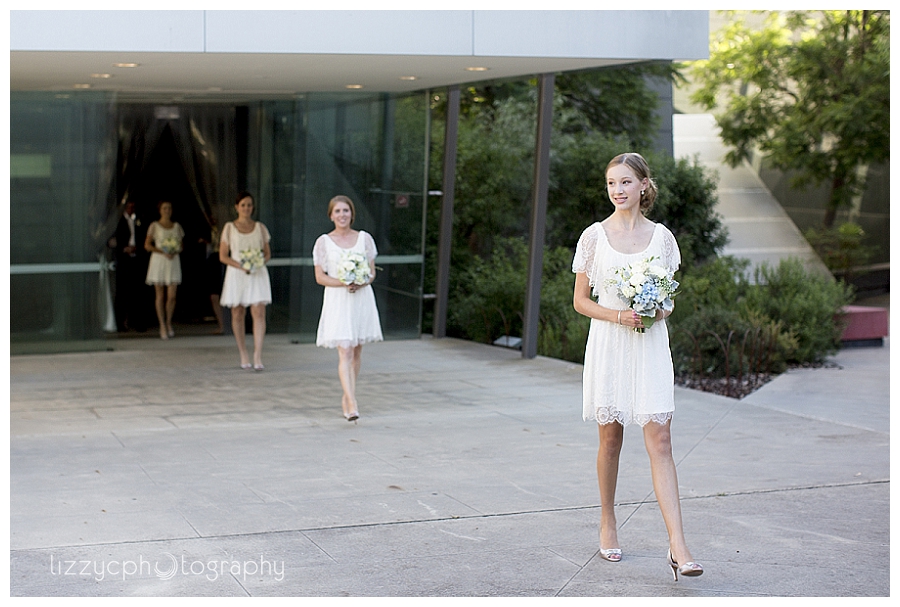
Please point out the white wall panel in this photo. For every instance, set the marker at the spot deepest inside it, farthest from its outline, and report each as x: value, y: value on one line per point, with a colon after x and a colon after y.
x: 139, y: 31
x: 611, y: 34
x: 559, y: 34
x: 341, y: 32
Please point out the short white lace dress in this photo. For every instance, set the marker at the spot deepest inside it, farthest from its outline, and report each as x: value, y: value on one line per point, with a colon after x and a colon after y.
x: 348, y: 319
x: 628, y: 376
x: 161, y: 270
x: 240, y: 288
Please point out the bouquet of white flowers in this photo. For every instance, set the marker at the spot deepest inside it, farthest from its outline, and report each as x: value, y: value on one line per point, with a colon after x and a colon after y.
x: 170, y: 245
x: 353, y: 269
x: 252, y: 260
x: 646, y: 287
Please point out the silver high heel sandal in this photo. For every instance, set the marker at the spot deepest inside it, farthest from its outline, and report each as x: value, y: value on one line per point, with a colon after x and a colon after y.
x: 689, y: 569
x: 613, y: 555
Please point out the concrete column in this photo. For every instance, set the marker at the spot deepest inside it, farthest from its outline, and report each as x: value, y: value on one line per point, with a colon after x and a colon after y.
x: 445, y: 238
x: 538, y: 215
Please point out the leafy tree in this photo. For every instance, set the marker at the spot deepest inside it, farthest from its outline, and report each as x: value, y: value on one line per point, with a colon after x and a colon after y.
x: 596, y: 96
x: 811, y: 90
x: 842, y: 249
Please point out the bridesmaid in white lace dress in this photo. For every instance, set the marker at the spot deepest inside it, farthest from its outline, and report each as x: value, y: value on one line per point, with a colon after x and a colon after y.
x: 349, y: 317
x: 246, y: 285
x: 628, y: 375
x: 164, y: 241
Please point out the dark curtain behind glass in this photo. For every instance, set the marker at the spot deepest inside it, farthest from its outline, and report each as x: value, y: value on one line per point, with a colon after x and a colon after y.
x: 197, y: 144
x: 206, y: 145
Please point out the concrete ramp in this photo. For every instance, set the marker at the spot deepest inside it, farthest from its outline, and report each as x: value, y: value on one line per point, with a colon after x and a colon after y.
x: 758, y: 227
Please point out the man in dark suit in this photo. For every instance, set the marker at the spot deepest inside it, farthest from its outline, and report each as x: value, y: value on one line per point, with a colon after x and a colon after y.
x: 131, y: 270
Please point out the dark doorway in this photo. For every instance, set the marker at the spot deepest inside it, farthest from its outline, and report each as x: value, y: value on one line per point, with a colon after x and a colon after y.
x: 186, y: 155
x: 163, y: 178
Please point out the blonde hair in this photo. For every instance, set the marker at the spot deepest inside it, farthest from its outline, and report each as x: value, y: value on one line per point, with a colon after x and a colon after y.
x: 641, y: 170
x: 342, y: 198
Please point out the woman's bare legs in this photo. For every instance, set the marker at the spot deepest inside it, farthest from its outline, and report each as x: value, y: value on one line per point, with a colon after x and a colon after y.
x: 238, y: 314
x: 258, y: 313
x: 658, y: 440
x: 607, y: 477
x: 357, y: 361
x: 170, y: 307
x: 217, y: 310
x: 161, y: 310
x: 348, y: 371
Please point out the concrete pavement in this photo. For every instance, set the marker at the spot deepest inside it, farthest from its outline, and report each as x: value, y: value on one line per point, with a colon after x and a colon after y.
x: 162, y: 469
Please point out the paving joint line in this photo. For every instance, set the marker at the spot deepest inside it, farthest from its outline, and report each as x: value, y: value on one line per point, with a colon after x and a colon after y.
x: 306, y: 530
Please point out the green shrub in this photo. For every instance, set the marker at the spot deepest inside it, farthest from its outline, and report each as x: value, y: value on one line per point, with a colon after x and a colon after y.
x: 807, y: 303
x: 489, y: 300
x: 489, y: 295
x: 708, y: 321
x: 720, y: 283
x: 786, y: 315
x: 563, y: 331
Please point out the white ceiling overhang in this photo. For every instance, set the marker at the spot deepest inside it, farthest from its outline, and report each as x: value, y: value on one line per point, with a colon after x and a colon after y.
x: 265, y: 75
x: 265, y: 53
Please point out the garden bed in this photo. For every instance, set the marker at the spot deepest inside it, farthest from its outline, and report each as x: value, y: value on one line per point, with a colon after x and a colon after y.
x: 733, y: 388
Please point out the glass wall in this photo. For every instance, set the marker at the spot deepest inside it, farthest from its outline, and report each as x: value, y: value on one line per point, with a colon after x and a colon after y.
x: 62, y: 156
x: 70, y: 155
x: 370, y: 148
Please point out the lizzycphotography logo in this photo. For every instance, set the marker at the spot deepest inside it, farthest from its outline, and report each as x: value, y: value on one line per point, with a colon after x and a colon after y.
x: 167, y: 568
x: 167, y: 575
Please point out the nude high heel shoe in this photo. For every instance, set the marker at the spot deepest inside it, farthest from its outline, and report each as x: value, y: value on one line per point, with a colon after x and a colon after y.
x: 689, y: 569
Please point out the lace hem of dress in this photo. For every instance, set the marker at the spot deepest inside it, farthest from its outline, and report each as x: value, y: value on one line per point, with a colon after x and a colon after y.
x: 348, y: 343
x: 608, y: 415
x: 247, y: 304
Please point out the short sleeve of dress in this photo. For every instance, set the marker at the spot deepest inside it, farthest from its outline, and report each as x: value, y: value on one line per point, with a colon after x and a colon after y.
x: 179, y: 231
x: 584, y: 252
x: 371, y: 250
x: 226, y: 234
x: 671, y: 252
x: 265, y: 233
x: 320, y: 253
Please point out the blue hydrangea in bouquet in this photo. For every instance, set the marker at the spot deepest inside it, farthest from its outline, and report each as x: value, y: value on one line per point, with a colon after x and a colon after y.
x: 646, y: 286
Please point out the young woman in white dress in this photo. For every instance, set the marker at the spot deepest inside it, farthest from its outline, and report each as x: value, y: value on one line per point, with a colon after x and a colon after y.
x: 164, y: 269
x: 628, y: 376
x: 246, y: 287
x: 349, y: 316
